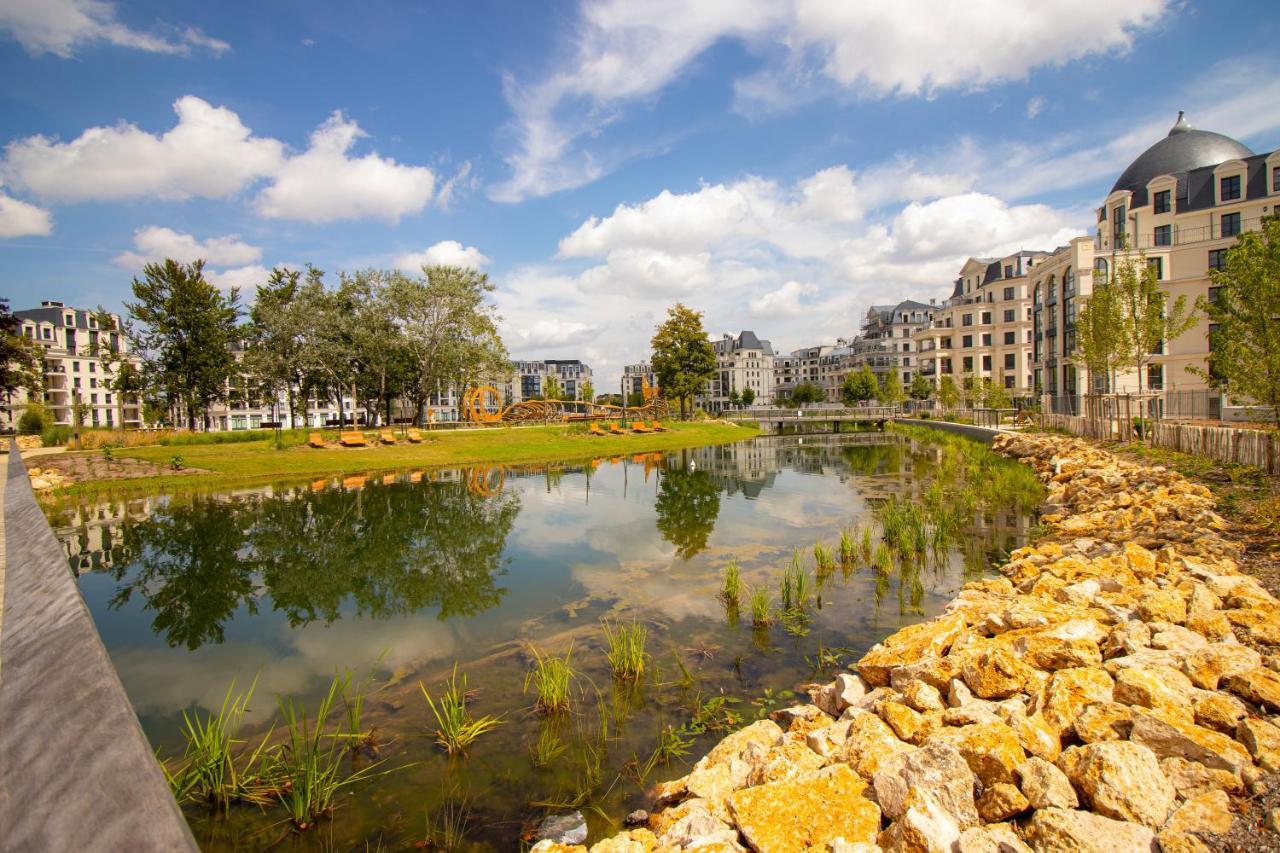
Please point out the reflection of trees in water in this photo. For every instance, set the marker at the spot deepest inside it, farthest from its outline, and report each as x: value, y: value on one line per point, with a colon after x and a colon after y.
x: 687, y: 505
x: 387, y: 549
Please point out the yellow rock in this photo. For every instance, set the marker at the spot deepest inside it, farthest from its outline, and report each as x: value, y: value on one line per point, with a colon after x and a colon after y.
x: 868, y: 744
x: 991, y: 750
x: 633, y: 841
x: 1208, y: 666
x: 1070, y: 691
x: 996, y: 673
x: 797, y: 815
x: 1214, y: 625
x: 1263, y: 742
x: 913, y: 643
x: 1159, y: 688
x: 1036, y: 736
x: 1163, y: 605
x: 1191, y: 778
x: 549, y: 846
x: 1220, y: 711
x: 1262, y: 624
x: 1141, y: 561
x: 1259, y: 685
x: 1104, y: 721
x: 908, y: 724
x: 791, y: 759
x: 1120, y: 780
x: 1209, y: 812
x: 1173, y: 739
x: 1001, y: 801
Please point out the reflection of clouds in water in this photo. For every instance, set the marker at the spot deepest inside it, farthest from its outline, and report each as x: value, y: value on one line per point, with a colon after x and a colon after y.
x: 160, y: 682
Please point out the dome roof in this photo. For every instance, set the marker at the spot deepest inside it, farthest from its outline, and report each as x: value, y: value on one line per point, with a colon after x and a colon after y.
x: 1182, y: 150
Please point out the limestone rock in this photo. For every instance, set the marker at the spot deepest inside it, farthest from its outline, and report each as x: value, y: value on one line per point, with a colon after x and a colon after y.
x: 570, y: 828
x: 1035, y: 735
x: 927, y: 639
x: 1001, y: 801
x: 1045, y: 786
x: 935, y: 772
x: 923, y: 828
x: 994, y: 838
x: 868, y: 743
x: 1208, y: 666
x: 958, y: 695
x: 1195, y: 743
x: 1209, y: 812
x: 808, y: 813
x: 846, y: 690
x: 997, y: 673
x: 1081, y: 832
x: 1164, y: 605
x: 991, y: 750
x: 1159, y: 688
x: 1259, y: 685
x: 789, y: 759
x: 633, y: 841
x: 1070, y: 691
x: 1127, y: 638
x: 936, y: 671
x: 549, y: 846
x: 1104, y: 721
x: 922, y: 696
x: 1263, y: 742
x: 1190, y: 778
x: 909, y: 725
x: 1120, y: 780
x: 802, y: 718
x: 1220, y: 711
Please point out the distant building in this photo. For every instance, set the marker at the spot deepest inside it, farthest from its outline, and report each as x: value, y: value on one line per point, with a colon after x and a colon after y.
x: 634, y: 377
x: 530, y: 377
x: 742, y: 362
x: 73, y: 372
x: 886, y: 344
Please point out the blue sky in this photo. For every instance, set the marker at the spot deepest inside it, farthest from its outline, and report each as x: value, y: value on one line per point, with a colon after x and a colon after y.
x: 778, y: 165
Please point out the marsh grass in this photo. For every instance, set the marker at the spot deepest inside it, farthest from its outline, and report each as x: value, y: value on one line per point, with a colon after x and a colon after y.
x: 552, y: 680
x: 823, y: 561
x: 625, y: 649
x: 883, y: 559
x: 761, y: 608
x: 210, y: 770
x: 731, y: 587
x: 446, y: 824
x: 456, y: 729
x: 865, y: 545
x: 848, y: 547
x: 794, y: 587
x: 548, y: 747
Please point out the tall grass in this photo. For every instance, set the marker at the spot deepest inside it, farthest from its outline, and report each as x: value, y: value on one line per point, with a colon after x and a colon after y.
x: 552, y: 680
x: 848, y: 547
x: 823, y: 562
x: 209, y: 770
x: 883, y: 559
x: 625, y: 648
x: 865, y: 545
x: 761, y: 607
x: 794, y: 586
x: 456, y: 729
x: 731, y: 587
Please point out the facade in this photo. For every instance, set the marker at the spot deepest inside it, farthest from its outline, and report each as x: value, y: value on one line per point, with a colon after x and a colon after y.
x: 1179, y: 205
x: 634, y: 377
x: 530, y: 378
x: 886, y: 343
x: 742, y: 362
x: 984, y: 330
x: 802, y: 365
x: 73, y: 372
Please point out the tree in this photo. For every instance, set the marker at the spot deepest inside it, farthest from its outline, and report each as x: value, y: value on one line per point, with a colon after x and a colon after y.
x: 273, y: 347
x: 996, y: 397
x: 687, y: 506
x: 683, y: 359
x: 187, y: 329
x: 587, y: 391
x: 21, y: 360
x: 1244, y: 344
x: 891, y: 392
x: 948, y: 393
x: 1149, y: 322
x: 748, y: 396
x: 1100, y: 338
x: 807, y: 392
x: 551, y: 387
x: 921, y: 388
x: 859, y: 386
x: 734, y: 398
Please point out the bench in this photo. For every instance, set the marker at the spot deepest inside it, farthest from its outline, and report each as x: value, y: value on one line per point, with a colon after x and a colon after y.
x: 353, y: 439
x: 595, y: 430
x: 616, y: 430
x: 386, y: 437
x: 316, y: 440
x: 414, y: 436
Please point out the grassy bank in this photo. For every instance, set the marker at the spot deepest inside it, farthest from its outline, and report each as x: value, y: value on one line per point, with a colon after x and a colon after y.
x: 254, y: 462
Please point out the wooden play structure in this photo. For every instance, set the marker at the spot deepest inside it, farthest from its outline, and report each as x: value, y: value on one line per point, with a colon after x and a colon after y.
x: 483, y: 405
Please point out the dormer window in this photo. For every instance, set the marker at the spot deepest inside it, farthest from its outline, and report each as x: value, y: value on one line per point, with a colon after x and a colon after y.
x: 1229, y: 188
x: 1161, y: 202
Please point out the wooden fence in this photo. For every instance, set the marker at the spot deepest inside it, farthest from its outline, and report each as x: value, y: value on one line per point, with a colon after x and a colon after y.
x: 1226, y: 444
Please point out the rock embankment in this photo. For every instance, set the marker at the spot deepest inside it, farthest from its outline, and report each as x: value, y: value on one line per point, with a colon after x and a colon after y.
x: 1112, y: 691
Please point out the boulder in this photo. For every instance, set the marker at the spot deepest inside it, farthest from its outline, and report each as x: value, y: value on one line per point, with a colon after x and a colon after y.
x: 1045, y: 786
x: 1000, y: 802
x: 1190, y: 778
x: 1159, y: 688
x: 841, y: 693
x: 991, y: 750
x: 1187, y: 740
x: 1219, y: 711
x: 997, y: 673
x: 909, y: 725
x: 799, y: 814
x: 1208, y: 666
x: 1035, y: 735
x: 1259, y: 685
x: 1164, y: 605
x: 936, y: 772
x: 1262, y: 740
x: 1120, y: 780
x: 995, y: 838
x: 867, y: 744
x: 923, y: 828
x: 910, y: 644
x: 1209, y: 813
x: 567, y: 828
x: 1104, y: 721
x: 633, y: 841
x: 1065, y: 830
x: 1070, y: 691
x: 922, y: 696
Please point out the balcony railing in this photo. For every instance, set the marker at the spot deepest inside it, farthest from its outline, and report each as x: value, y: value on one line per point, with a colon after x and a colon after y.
x: 1180, y: 237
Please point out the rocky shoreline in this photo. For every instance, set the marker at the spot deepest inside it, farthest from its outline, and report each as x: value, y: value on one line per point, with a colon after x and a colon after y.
x: 1112, y: 691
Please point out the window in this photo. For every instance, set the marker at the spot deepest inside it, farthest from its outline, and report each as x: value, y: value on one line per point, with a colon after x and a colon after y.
x: 1163, y: 235
x: 1160, y: 203
x: 1157, y: 265
x: 966, y: 341
x: 1010, y: 315
x: 966, y: 320
x: 93, y: 367
x: 1275, y: 179
x: 1155, y: 377
x: 1215, y: 293
x: 986, y: 362
x: 1008, y: 293
x: 1229, y: 188
x: 1216, y: 257
x: 986, y: 318
x: 75, y: 367
x: 93, y: 382
x: 1230, y: 224
x: 1213, y: 333
x: 968, y: 364
x: 1008, y: 382
x: 46, y: 333
x: 1099, y: 271
x: 1117, y: 222
x: 1068, y: 282
x: 1010, y: 337
x: 1010, y: 361
x: 1008, y: 271
x: 986, y: 339
x: 946, y: 343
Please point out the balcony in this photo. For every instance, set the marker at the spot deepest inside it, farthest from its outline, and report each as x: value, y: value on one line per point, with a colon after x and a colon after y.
x: 1180, y: 237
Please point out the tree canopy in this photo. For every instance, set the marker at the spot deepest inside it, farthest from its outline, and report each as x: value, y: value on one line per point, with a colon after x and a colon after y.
x: 683, y: 359
x: 859, y: 386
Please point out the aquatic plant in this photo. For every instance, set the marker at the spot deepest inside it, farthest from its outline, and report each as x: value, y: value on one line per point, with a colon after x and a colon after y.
x: 795, y: 587
x: 864, y: 547
x: 548, y: 747
x: 209, y: 770
x: 761, y: 608
x: 848, y: 548
x: 552, y: 680
x: 732, y: 585
x: 446, y: 828
x: 456, y: 729
x: 715, y: 715
x: 626, y: 649
x: 883, y: 559
x: 823, y: 562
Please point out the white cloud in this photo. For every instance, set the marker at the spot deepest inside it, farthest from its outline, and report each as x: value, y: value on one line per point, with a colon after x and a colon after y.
x: 1035, y: 106
x: 155, y: 243
x: 785, y: 301
x: 209, y: 153
x: 60, y: 26
x: 21, y: 219
x: 242, y: 278
x: 324, y: 184
x: 445, y: 253
x: 623, y: 52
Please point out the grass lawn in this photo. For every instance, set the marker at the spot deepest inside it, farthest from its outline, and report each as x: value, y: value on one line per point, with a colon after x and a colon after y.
x: 241, y: 464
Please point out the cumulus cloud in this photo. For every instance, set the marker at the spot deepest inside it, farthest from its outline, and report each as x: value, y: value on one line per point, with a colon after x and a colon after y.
x: 209, y: 153
x: 22, y: 219
x: 324, y: 183
x: 1035, y: 106
x: 785, y: 301
x: 240, y: 278
x: 155, y: 243
x: 60, y: 27
x: 445, y: 253
x: 622, y: 53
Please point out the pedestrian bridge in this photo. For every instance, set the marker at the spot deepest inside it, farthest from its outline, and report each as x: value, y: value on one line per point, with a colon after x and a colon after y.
x: 815, y: 420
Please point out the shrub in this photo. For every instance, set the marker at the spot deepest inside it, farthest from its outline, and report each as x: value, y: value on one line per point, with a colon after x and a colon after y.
x: 33, y: 421
x: 54, y: 435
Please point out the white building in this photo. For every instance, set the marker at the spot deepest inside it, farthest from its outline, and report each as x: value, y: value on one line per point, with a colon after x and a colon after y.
x: 742, y: 362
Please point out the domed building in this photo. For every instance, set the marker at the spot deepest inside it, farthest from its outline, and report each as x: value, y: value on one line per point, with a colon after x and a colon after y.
x: 1181, y: 205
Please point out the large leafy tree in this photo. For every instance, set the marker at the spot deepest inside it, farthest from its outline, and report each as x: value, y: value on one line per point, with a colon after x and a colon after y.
x: 683, y: 359
x: 1149, y: 320
x: 948, y: 392
x: 184, y: 328
x: 807, y: 392
x: 1244, y: 352
x: 1101, y: 342
x: 273, y: 346
x: 687, y: 506
x: 858, y: 386
x: 748, y: 396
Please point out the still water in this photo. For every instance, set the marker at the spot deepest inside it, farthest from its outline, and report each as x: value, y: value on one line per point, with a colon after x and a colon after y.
x: 396, y: 578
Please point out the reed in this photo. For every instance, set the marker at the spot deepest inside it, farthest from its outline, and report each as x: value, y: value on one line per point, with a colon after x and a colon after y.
x: 761, y: 608
x: 865, y: 546
x: 848, y: 547
x: 823, y: 561
x: 209, y: 770
x: 883, y: 559
x: 456, y: 729
x: 547, y: 748
x: 795, y: 587
x: 731, y: 588
x: 626, y: 649
x: 552, y: 680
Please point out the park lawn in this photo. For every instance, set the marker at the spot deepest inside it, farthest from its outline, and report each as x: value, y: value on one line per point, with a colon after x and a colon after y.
x: 242, y: 464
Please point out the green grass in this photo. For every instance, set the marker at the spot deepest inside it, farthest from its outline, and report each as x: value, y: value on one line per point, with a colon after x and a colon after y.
x: 456, y: 729
x: 210, y: 770
x: 761, y: 608
x: 732, y: 585
x: 848, y: 547
x: 208, y: 466
x: 794, y: 587
x: 883, y: 559
x: 625, y: 648
x: 552, y: 680
x: 823, y: 561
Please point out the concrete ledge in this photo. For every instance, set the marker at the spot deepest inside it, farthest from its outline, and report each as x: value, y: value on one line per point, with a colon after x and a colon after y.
x: 76, y: 770
x: 983, y: 434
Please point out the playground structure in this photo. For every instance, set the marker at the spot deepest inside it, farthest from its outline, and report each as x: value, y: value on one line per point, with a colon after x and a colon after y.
x: 483, y: 405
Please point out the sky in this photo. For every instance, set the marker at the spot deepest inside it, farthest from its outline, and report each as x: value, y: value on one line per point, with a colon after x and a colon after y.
x: 780, y: 166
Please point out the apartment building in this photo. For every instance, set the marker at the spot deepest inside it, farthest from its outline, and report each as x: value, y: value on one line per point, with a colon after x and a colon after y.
x: 887, y: 339
x: 984, y: 329
x: 635, y: 376
x: 530, y: 377
x: 1180, y: 205
x: 800, y: 366
x: 78, y: 366
x: 742, y: 362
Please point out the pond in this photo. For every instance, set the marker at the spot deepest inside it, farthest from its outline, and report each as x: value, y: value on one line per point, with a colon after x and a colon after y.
x: 395, y: 580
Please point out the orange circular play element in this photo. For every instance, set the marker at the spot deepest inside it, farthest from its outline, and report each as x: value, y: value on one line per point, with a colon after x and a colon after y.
x: 483, y: 405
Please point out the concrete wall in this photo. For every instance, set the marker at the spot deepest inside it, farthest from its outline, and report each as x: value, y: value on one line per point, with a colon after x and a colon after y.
x: 983, y: 434
x: 76, y: 771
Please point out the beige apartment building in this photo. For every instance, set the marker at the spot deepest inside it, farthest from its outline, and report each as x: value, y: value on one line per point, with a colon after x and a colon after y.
x: 1181, y: 205
x: 742, y: 362
x: 983, y: 330
x: 887, y: 342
